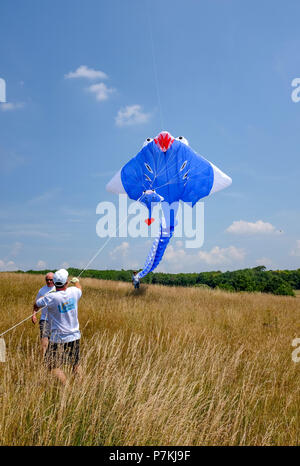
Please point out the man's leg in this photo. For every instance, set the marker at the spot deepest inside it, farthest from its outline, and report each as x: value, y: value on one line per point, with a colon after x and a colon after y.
x: 54, y: 360
x: 44, y: 335
x: 60, y: 375
x: 75, y: 357
x: 44, y: 346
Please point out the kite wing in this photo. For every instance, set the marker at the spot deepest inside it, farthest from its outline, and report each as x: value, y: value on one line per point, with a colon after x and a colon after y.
x: 167, y: 169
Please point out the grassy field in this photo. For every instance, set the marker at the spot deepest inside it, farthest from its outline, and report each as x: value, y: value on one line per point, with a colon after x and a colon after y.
x: 164, y: 366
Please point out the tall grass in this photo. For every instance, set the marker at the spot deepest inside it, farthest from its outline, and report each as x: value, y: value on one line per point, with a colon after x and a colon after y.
x: 163, y: 366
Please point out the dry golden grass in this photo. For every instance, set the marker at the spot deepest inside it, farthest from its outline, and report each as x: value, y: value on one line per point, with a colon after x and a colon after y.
x: 165, y: 366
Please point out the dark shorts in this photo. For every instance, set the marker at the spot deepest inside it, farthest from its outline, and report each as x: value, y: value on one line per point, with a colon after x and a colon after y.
x: 45, y: 329
x: 62, y: 353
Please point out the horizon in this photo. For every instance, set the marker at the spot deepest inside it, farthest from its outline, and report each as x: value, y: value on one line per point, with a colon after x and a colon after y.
x: 44, y: 271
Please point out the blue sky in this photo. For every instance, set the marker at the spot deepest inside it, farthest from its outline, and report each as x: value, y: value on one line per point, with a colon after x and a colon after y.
x: 223, y: 71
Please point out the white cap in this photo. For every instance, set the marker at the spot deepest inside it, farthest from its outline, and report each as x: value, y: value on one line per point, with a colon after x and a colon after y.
x: 60, y: 277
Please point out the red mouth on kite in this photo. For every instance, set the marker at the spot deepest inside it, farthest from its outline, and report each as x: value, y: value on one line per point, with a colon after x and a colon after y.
x: 164, y: 141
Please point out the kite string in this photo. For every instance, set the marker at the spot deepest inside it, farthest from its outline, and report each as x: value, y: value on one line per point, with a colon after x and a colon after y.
x: 173, y: 179
x: 19, y: 323
x: 106, y: 242
x: 155, y: 68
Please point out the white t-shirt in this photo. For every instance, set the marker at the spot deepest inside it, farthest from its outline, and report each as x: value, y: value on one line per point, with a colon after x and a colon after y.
x: 44, y: 290
x: 62, y: 307
x: 135, y: 278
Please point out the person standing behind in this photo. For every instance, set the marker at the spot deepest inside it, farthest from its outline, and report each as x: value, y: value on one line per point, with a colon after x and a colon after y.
x: 62, y: 307
x: 135, y: 279
x: 44, y: 323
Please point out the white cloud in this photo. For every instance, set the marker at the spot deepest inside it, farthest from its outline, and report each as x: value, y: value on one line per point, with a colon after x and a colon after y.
x: 175, y: 255
x: 181, y: 259
x: 84, y: 72
x: 220, y: 256
x: 101, y: 91
x: 9, y: 106
x: 240, y: 227
x: 121, y: 250
x: 296, y: 251
x: 41, y: 265
x: 131, y: 115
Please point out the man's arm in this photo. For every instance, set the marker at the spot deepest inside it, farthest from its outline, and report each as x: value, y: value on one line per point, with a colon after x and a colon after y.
x: 37, y: 305
x: 34, y: 312
x: 35, y: 309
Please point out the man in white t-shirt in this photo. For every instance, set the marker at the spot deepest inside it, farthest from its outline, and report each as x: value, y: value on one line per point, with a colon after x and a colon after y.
x: 135, y: 280
x: 62, y: 307
x: 44, y: 323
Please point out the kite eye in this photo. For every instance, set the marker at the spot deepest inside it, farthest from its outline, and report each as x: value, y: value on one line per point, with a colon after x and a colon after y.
x: 148, y: 140
x: 183, y: 140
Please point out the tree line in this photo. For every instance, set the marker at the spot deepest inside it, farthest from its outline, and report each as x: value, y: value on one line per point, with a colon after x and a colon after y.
x: 278, y: 282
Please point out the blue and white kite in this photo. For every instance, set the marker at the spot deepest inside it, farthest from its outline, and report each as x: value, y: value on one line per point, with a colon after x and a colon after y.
x: 167, y: 170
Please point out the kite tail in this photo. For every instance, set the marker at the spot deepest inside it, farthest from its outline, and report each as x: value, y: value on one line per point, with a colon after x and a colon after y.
x: 157, y: 251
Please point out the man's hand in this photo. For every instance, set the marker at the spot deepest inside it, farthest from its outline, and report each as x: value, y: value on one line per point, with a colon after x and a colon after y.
x: 75, y: 282
x: 34, y: 318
